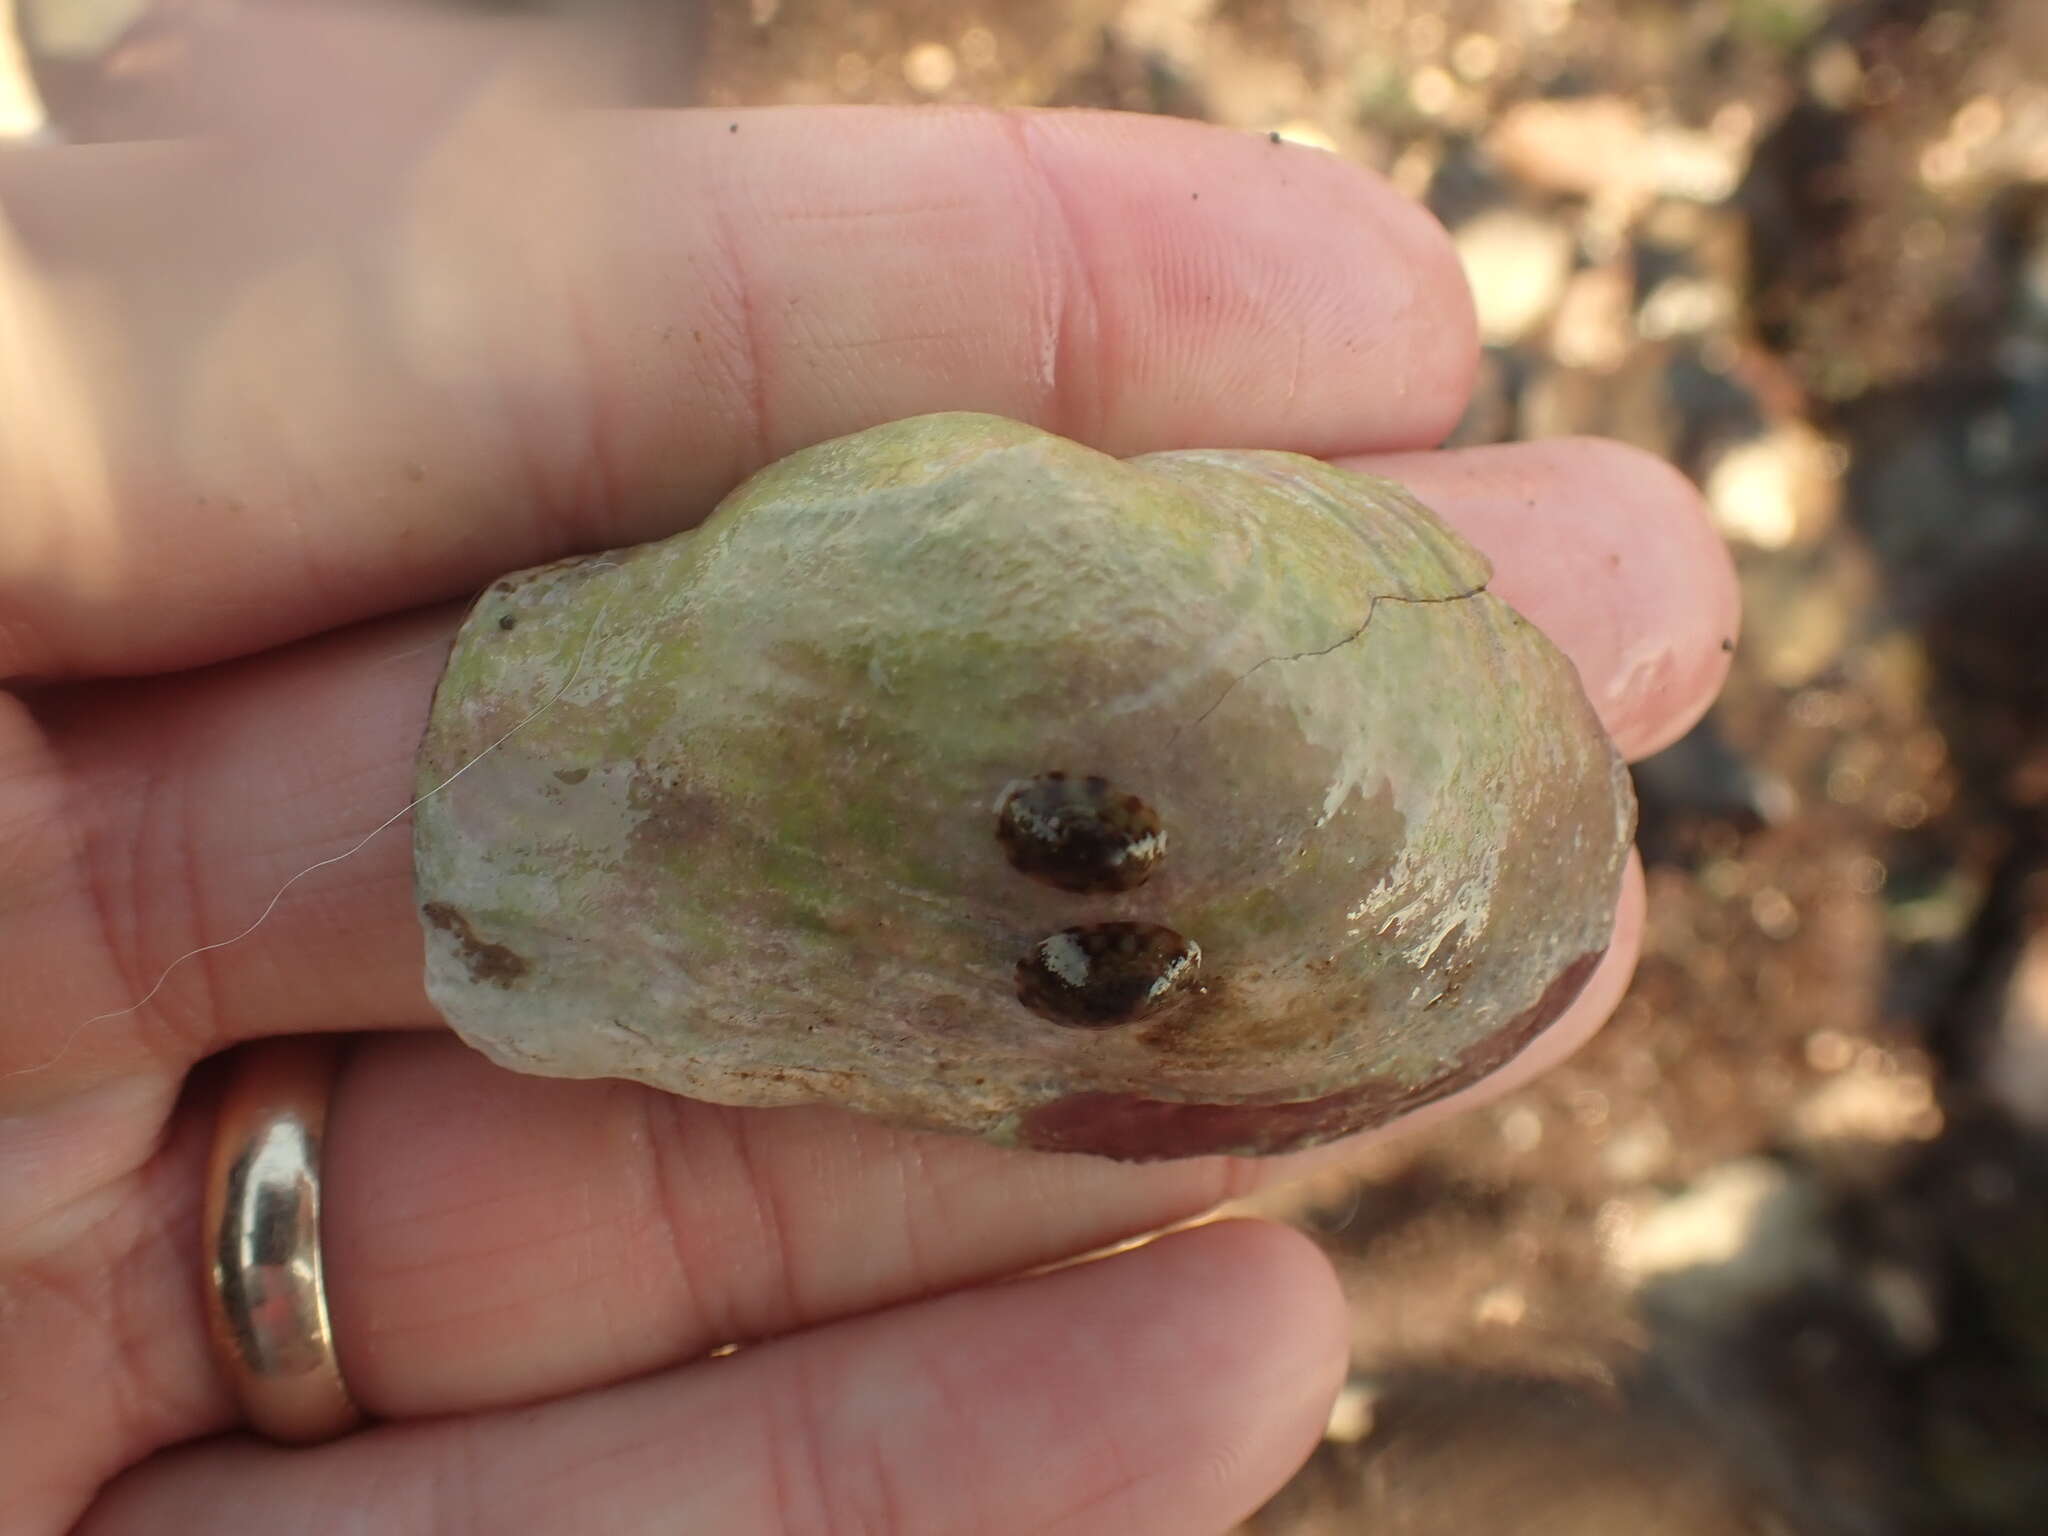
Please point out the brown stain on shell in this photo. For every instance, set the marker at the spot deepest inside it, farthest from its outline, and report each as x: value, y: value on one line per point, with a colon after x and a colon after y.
x: 671, y: 814
x: 1135, y: 1128
x: 489, y: 962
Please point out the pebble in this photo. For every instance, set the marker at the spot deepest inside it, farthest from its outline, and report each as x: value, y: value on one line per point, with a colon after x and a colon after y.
x: 1639, y: 1152
x: 929, y: 68
x: 1351, y: 1415
x: 1869, y: 1105
x: 1594, y: 327
x: 1685, y: 306
x: 1517, y: 264
x: 1593, y: 145
x: 1572, y: 146
x: 1737, y: 1235
x: 1775, y: 491
x: 2017, y: 1069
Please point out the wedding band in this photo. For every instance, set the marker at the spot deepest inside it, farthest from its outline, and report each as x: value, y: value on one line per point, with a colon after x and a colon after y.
x: 266, y: 1299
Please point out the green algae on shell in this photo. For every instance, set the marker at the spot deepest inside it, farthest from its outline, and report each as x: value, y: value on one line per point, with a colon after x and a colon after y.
x: 762, y: 843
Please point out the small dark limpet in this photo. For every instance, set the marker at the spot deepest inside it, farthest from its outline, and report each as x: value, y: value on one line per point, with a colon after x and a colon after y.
x: 1083, y: 835
x: 1103, y: 974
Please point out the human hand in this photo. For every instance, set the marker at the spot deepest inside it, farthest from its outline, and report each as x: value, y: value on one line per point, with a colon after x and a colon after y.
x: 253, y: 443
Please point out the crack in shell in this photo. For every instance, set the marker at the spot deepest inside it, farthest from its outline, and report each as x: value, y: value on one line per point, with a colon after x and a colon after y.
x: 1372, y: 608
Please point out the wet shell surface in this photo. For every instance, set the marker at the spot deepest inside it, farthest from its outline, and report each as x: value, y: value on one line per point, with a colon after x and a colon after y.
x: 967, y: 777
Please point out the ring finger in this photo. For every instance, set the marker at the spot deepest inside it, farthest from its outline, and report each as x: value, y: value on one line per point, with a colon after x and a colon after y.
x: 1166, y: 1390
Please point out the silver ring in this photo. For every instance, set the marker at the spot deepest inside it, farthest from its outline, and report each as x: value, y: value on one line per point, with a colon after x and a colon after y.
x: 266, y: 1292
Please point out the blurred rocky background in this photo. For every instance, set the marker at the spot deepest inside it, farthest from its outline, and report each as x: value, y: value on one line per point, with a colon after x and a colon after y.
x: 1770, y: 1256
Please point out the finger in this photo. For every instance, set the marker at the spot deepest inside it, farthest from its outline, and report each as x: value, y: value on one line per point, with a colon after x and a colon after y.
x: 498, y: 1239
x: 1165, y: 1390
x: 152, y: 819
x: 494, y: 1240
x: 1610, y: 552
x: 156, y: 832
x: 258, y: 415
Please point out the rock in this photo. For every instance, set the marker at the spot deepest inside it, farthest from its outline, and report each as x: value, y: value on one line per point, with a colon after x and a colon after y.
x: 1682, y: 305
x: 1595, y: 328
x: 1738, y: 1235
x: 1602, y: 146
x: 1517, y: 264
x: 1579, y: 146
x: 929, y: 69
x: 1872, y: 1104
x: 1776, y: 491
x: 2017, y: 1069
x: 1693, y: 166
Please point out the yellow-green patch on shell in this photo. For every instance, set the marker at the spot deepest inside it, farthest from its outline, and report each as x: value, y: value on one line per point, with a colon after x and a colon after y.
x: 754, y: 850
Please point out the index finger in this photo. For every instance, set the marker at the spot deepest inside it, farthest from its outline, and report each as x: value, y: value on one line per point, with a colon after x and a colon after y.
x: 154, y: 820
x: 268, y: 408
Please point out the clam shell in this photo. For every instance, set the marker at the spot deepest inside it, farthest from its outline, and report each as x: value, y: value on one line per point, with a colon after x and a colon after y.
x: 845, y: 797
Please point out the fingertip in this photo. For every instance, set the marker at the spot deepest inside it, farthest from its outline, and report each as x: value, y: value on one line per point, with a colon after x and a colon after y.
x: 1687, y: 606
x: 1376, y: 345
x: 1271, y: 1288
x: 1447, y: 305
x: 1244, y: 1403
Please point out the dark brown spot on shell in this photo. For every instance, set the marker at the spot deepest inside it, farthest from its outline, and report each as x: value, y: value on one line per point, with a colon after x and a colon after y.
x: 672, y: 815
x: 572, y: 775
x: 1140, y: 1129
x: 507, y: 620
x: 1081, y: 835
x: 486, y: 961
x: 1103, y: 974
